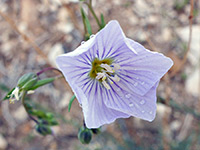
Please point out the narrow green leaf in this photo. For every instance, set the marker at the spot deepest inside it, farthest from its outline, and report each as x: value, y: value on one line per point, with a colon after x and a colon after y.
x: 8, y: 96
x: 37, y: 113
x: 42, y: 82
x: 29, y: 84
x: 86, y: 22
x: 70, y: 102
x: 102, y: 21
x: 25, y: 78
x: 43, y: 129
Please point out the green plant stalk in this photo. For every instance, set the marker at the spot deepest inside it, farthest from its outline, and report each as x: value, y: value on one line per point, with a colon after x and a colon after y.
x: 23, y: 102
x: 70, y: 102
x: 93, y: 13
x: 87, y: 26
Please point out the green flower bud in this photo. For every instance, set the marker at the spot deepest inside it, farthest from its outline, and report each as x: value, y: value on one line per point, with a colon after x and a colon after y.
x: 85, y: 135
x: 49, y: 115
x: 43, y: 129
x: 30, y: 83
x: 25, y: 78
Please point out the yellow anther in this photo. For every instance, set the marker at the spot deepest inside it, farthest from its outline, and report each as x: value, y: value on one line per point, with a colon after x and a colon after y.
x: 104, y: 78
x: 106, y: 85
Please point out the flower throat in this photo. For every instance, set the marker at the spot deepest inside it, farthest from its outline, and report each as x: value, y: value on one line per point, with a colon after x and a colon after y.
x: 104, y: 71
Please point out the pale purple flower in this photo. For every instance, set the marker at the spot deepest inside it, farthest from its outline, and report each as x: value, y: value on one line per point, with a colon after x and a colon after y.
x: 114, y: 77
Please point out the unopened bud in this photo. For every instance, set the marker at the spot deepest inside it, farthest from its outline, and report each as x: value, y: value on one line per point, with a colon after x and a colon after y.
x: 43, y: 129
x: 25, y: 78
x: 30, y: 83
x: 85, y: 135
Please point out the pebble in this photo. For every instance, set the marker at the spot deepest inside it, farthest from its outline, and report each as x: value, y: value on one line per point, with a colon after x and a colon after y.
x: 3, y: 143
x: 192, y: 82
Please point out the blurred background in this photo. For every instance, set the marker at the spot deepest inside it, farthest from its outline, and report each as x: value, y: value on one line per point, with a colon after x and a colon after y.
x: 34, y: 32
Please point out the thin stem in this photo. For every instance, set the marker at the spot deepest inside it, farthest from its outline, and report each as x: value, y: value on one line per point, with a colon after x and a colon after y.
x: 23, y: 102
x: 23, y: 98
x: 90, y: 2
x: 47, y: 69
x: 181, y: 65
x: 93, y: 13
x: 24, y: 36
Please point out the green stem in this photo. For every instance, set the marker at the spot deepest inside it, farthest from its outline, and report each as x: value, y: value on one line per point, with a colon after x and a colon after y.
x: 23, y: 98
x: 23, y: 102
x: 93, y: 13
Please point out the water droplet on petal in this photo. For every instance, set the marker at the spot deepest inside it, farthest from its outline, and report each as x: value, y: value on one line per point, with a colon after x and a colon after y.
x: 131, y: 104
x: 143, y: 111
x: 135, y: 84
x: 128, y: 95
x: 82, y: 42
x: 136, y: 105
x: 142, y: 83
x: 91, y: 36
x: 137, y: 78
x: 142, y: 102
x: 150, y: 112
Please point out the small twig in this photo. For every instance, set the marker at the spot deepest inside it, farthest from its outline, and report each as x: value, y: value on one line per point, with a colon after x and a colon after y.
x: 185, y: 127
x: 31, y: 117
x: 151, y: 44
x: 167, y: 88
x: 181, y: 108
x: 72, y: 15
x: 24, y: 36
x: 165, y: 120
x: 189, y: 41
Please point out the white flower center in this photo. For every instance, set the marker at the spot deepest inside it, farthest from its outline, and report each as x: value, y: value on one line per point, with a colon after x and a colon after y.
x: 108, y: 74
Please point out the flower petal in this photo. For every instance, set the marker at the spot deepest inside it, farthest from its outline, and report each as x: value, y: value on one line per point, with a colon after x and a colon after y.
x: 96, y: 113
x: 109, y: 40
x: 141, y: 71
x: 143, y: 107
x: 75, y: 71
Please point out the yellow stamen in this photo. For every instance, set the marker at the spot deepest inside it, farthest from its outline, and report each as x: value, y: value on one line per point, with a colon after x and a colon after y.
x: 106, y: 85
x: 104, y: 78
